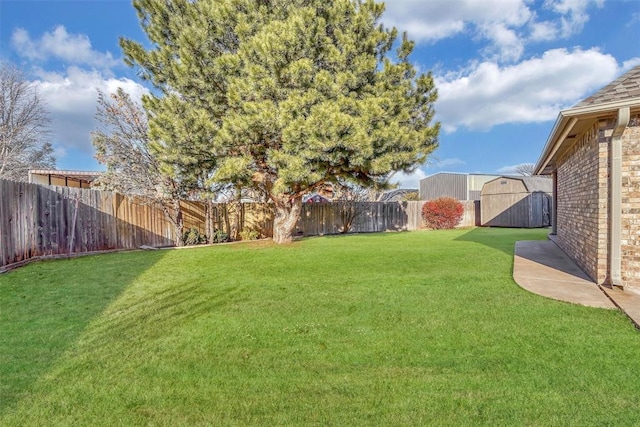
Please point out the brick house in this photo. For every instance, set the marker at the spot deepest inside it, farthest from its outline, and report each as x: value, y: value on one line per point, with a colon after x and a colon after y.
x: 593, y: 154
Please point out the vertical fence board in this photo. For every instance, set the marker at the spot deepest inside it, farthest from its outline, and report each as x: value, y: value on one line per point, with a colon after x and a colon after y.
x: 38, y: 220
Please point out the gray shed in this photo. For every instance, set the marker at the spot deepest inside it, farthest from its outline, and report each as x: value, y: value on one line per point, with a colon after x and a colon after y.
x: 517, y: 201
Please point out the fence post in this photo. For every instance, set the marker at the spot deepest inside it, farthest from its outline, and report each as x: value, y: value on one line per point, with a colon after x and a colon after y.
x: 73, y: 223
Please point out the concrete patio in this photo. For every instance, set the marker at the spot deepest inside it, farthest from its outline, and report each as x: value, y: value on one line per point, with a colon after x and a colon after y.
x: 541, y: 267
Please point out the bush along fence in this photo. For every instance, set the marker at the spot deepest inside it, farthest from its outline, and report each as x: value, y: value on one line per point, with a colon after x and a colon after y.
x: 40, y: 220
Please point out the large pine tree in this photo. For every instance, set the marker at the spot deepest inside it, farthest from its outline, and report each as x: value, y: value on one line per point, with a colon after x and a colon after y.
x: 283, y: 96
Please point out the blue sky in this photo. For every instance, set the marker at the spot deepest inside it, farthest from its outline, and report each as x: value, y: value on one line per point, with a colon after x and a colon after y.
x: 503, y: 68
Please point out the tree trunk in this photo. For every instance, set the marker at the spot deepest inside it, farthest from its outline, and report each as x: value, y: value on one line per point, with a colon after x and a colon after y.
x: 235, y: 211
x: 174, y: 213
x: 208, y: 225
x: 348, y: 213
x: 287, y: 215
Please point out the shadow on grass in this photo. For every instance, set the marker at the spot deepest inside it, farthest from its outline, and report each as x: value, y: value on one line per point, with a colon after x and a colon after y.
x: 549, y: 254
x: 46, y: 306
x: 503, y: 239
x: 156, y: 314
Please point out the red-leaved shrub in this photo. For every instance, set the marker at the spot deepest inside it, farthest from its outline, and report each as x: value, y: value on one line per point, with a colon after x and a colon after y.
x: 442, y: 213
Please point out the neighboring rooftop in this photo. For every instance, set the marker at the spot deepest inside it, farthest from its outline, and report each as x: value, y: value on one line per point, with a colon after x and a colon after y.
x: 397, y: 195
x: 86, y: 175
x: 625, y: 87
x: 82, y: 179
x: 461, y: 173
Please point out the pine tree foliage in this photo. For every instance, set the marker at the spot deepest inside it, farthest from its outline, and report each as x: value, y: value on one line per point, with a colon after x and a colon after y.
x: 283, y: 96
x: 24, y: 127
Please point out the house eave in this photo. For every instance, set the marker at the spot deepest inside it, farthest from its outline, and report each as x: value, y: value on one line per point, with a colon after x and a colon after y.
x: 571, y: 118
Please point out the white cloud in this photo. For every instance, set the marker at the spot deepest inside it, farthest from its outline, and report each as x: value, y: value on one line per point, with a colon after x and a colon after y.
x: 493, y: 20
x: 71, y: 95
x: 71, y: 99
x: 59, y: 152
x: 408, y: 180
x: 445, y: 163
x: 506, y: 43
x: 436, y: 19
x: 505, y: 26
x: 630, y: 63
x: 573, y: 14
x: 531, y: 91
x: 543, y: 31
x: 512, y: 170
x: 59, y: 44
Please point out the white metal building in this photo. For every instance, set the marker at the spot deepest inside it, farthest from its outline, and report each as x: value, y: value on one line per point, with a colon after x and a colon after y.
x: 460, y: 186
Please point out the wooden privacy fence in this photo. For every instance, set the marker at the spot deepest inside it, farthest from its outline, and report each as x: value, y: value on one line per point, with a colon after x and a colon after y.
x: 326, y: 218
x: 471, y: 214
x: 40, y: 220
x: 37, y: 220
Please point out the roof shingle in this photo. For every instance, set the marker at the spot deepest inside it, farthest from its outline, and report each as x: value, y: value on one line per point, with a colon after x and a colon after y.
x: 623, y: 88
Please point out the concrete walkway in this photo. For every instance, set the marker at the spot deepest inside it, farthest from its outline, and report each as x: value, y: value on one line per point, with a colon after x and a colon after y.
x: 541, y: 267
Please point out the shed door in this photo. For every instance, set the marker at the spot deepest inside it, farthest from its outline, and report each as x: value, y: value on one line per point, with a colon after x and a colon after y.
x: 546, y: 211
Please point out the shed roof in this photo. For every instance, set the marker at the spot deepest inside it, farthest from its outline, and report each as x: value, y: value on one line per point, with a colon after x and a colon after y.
x: 535, y: 184
x: 460, y: 174
x: 623, y: 92
x: 532, y: 184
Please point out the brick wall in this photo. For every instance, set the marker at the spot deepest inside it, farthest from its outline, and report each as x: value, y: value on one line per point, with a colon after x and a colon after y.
x: 631, y: 204
x: 582, y: 201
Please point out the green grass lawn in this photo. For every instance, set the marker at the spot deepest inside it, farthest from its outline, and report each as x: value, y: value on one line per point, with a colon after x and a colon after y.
x: 422, y: 328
